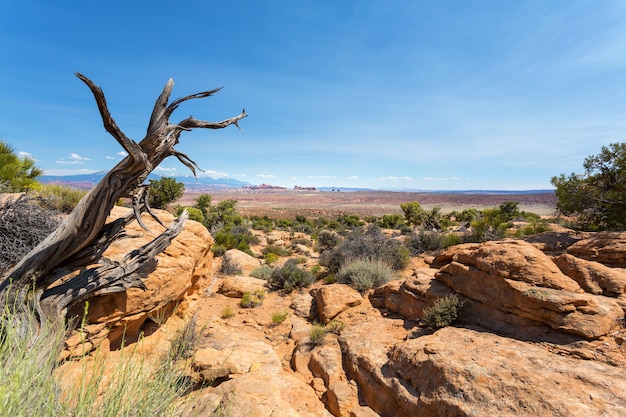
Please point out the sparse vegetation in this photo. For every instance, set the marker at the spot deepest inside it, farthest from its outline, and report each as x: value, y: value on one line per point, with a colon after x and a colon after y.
x: 279, y: 316
x: 366, y: 243
x: 290, y: 276
x: 229, y: 265
x: 364, y: 274
x: 227, y: 312
x: 252, y: 299
x: 317, y: 333
x: 335, y: 326
x: 443, y: 313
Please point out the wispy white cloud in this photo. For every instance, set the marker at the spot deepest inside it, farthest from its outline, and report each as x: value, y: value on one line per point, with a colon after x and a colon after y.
x: 23, y: 154
x: 108, y: 157
x: 68, y: 171
x: 213, y: 174
x: 123, y: 154
x: 72, y: 159
x: 392, y: 178
x: 266, y: 176
x: 442, y: 179
x: 166, y: 170
x: 322, y: 177
x: 353, y: 177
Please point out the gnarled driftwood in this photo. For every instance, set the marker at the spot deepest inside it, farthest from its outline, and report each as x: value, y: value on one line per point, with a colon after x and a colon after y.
x: 84, y: 235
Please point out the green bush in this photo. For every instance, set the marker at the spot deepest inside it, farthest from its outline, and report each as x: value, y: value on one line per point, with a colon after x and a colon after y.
x: 194, y: 213
x: 443, y: 313
x: 279, y: 316
x: 270, y: 258
x: 252, y: 299
x: 59, y: 197
x: 262, y: 272
x: 327, y: 239
x: 317, y: 333
x: 234, y: 237
x: 335, y: 326
x: 227, y: 312
x: 391, y: 221
x: 17, y: 173
x: 290, y: 276
x: 366, y: 243
x: 164, y: 191
x: 277, y: 250
x: 364, y: 274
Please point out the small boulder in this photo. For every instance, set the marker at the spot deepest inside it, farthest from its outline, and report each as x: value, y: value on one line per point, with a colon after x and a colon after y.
x: 331, y: 300
x: 236, y: 286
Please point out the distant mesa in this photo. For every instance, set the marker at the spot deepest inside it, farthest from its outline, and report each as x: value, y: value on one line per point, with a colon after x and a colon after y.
x: 263, y: 187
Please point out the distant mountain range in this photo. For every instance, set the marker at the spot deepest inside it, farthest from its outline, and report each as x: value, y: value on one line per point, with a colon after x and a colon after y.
x: 87, y: 181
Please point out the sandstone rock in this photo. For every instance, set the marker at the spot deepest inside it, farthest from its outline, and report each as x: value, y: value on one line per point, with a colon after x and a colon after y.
x: 331, y: 300
x: 411, y: 296
x: 326, y: 363
x: 303, y: 306
x: 593, y: 277
x: 510, y: 259
x: 608, y: 248
x: 450, y: 374
x: 239, y: 358
x: 180, y: 268
x: 235, y: 286
x: 246, y: 262
x: 584, y: 314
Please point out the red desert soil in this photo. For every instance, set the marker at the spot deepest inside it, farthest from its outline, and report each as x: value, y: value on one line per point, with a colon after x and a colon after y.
x: 288, y: 203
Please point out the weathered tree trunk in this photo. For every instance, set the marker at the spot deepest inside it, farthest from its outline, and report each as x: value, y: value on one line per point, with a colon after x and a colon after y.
x: 82, y: 238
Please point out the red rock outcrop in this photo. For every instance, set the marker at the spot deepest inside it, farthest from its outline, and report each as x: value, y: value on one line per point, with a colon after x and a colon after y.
x: 608, y: 248
x: 181, y: 270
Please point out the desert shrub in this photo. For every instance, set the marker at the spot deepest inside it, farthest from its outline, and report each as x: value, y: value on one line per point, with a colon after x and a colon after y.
x: 350, y: 220
x: 335, y: 326
x: 277, y: 250
x: 227, y: 312
x: 415, y: 215
x: 317, y: 334
x: 164, y: 191
x: 420, y: 241
x: 23, y: 225
x: 262, y: 272
x: 229, y: 265
x: 327, y: 239
x: 234, y: 237
x: 366, y: 243
x: 279, y: 316
x: 252, y: 299
x: 194, y: 213
x: 262, y: 223
x: 17, y: 173
x: 364, y: 274
x: 290, y: 276
x: 443, y: 313
x: 302, y: 241
x: 451, y: 239
x: 283, y: 224
x: 270, y: 258
x: 391, y: 221
x: 185, y: 341
x: 59, y: 198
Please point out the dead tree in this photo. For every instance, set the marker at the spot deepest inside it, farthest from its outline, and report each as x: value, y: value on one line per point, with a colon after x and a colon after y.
x: 78, y: 244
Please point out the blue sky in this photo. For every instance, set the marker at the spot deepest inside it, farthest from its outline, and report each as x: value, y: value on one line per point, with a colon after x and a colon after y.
x: 388, y: 94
